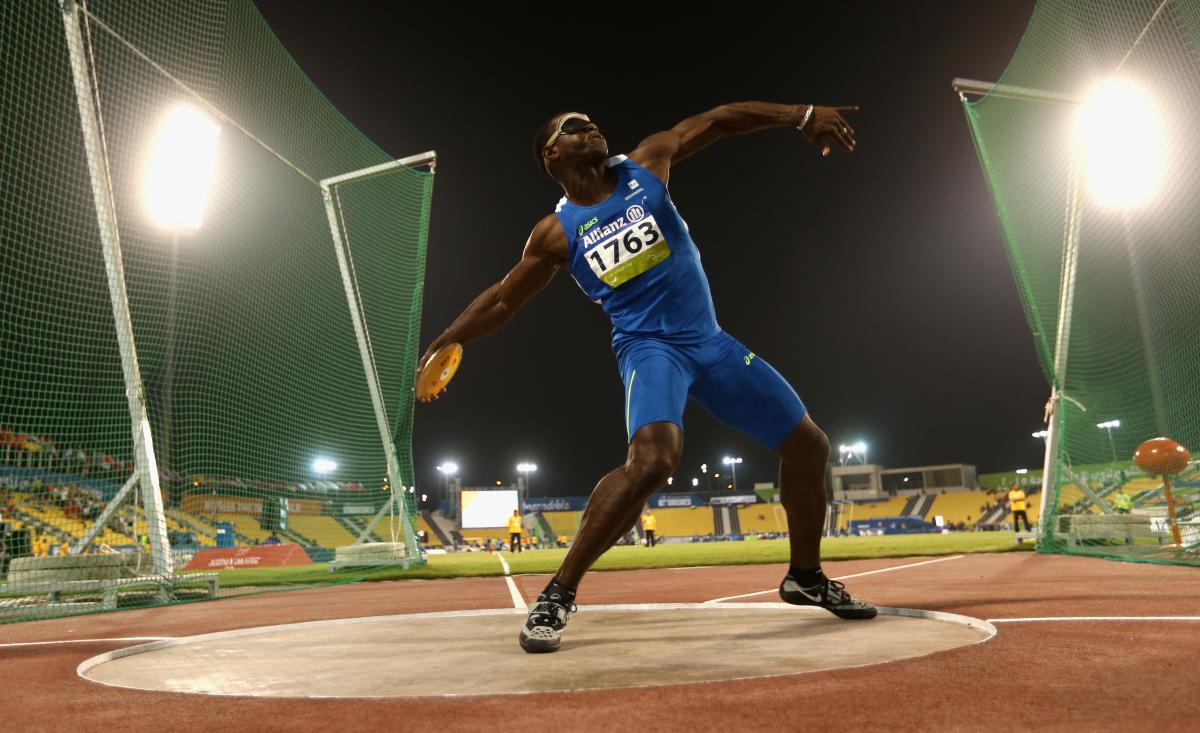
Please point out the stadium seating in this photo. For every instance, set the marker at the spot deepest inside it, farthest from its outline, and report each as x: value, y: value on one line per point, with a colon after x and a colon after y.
x: 246, y: 526
x: 961, y: 506
x: 563, y: 523
x: 431, y: 536
x: 762, y: 518
x: 495, y: 533
x: 871, y: 510
x: 684, y: 522
x: 71, y: 528
x: 324, y: 531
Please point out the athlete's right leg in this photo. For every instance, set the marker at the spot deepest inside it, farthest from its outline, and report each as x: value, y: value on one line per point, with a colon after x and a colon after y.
x: 617, y: 501
x: 613, y: 507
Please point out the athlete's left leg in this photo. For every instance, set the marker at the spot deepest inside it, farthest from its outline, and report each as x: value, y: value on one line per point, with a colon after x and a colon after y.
x: 745, y: 392
x: 802, y: 458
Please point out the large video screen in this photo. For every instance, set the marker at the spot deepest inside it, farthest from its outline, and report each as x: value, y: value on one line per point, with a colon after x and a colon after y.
x: 485, y: 509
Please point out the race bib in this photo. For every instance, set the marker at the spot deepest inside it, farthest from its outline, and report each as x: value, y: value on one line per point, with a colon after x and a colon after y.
x: 636, y: 246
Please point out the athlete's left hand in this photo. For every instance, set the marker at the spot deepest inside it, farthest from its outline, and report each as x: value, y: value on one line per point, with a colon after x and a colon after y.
x: 827, y: 127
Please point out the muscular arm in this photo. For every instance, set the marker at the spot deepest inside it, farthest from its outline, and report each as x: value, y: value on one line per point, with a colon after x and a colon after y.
x: 545, y: 252
x: 825, y: 127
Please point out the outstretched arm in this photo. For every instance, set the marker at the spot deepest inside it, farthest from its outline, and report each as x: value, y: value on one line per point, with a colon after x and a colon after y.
x: 545, y: 252
x: 824, y: 126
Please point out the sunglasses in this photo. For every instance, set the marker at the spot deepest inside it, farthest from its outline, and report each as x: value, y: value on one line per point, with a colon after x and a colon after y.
x: 569, y: 124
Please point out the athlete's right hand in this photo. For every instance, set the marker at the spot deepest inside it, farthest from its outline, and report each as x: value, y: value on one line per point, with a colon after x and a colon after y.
x: 438, y: 343
x: 827, y: 126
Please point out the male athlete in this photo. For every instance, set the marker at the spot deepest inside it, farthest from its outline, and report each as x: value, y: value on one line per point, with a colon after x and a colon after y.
x: 618, y: 233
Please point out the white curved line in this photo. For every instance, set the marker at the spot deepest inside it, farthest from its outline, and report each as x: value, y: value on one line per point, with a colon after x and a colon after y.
x: 988, y: 630
x: 83, y: 641
x: 842, y: 577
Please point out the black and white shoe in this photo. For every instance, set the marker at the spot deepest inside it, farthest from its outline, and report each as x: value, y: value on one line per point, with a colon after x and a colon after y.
x: 547, y: 619
x: 828, y: 594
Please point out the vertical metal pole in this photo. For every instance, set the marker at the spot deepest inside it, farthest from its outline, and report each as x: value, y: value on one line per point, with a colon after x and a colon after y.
x: 385, y: 433
x: 166, y: 448
x: 106, y: 217
x: 1066, y: 302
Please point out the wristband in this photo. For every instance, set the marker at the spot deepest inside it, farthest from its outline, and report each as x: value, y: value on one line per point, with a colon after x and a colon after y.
x: 807, y: 115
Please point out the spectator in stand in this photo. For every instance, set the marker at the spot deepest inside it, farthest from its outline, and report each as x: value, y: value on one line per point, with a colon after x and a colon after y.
x: 272, y: 540
x: 1122, y: 502
x: 1016, y: 501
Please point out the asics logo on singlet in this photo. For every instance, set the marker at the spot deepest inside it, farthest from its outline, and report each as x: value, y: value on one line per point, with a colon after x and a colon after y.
x: 584, y: 227
x: 597, y: 234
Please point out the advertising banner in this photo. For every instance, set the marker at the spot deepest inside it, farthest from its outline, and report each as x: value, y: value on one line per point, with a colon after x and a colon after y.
x: 261, y: 556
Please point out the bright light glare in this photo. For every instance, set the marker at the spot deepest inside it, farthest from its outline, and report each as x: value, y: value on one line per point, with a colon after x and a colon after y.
x: 1041, y: 434
x: 324, y: 465
x: 179, y: 169
x: 727, y: 460
x: 1109, y: 424
x: 526, y: 467
x: 1122, y: 142
x: 1022, y: 470
x: 449, y: 468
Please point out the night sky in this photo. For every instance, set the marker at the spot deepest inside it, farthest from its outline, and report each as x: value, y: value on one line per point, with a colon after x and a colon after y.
x: 877, y: 283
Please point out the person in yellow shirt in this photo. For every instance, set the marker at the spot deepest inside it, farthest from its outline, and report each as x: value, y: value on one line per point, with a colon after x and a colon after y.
x: 1016, y: 503
x: 515, y: 530
x: 649, y: 524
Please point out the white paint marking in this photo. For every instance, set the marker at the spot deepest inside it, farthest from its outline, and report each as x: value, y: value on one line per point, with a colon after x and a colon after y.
x: 86, y: 665
x: 842, y: 577
x: 518, y: 601
x: 83, y: 641
x: 1033, y: 619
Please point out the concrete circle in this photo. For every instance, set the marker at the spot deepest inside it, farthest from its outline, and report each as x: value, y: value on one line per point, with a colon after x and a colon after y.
x: 476, y: 652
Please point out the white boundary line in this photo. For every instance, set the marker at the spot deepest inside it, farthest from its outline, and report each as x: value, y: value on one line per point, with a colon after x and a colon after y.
x: 842, y: 577
x: 83, y: 641
x: 987, y: 629
x: 1038, y: 619
x: 518, y: 601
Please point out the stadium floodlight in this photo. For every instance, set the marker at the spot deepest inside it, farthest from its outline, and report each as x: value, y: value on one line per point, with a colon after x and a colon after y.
x: 1122, y: 144
x: 527, y: 468
x: 1022, y: 470
x: 447, y: 469
x: 732, y: 463
x: 179, y: 168
x: 695, y: 481
x: 1041, y: 434
x: 670, y: 480
x: 324, y: 465
x: 847, y: 452
x: 1108, y: 426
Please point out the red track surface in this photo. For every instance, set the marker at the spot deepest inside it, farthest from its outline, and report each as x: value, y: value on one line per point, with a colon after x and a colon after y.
x: 1067, y: 675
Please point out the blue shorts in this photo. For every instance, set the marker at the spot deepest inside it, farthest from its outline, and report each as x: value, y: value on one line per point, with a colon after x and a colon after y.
x: 727, y: 379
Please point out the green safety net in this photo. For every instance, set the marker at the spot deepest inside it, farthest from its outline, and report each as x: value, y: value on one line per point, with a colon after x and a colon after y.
x: 252, y: 368
x: 1090, y: 143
